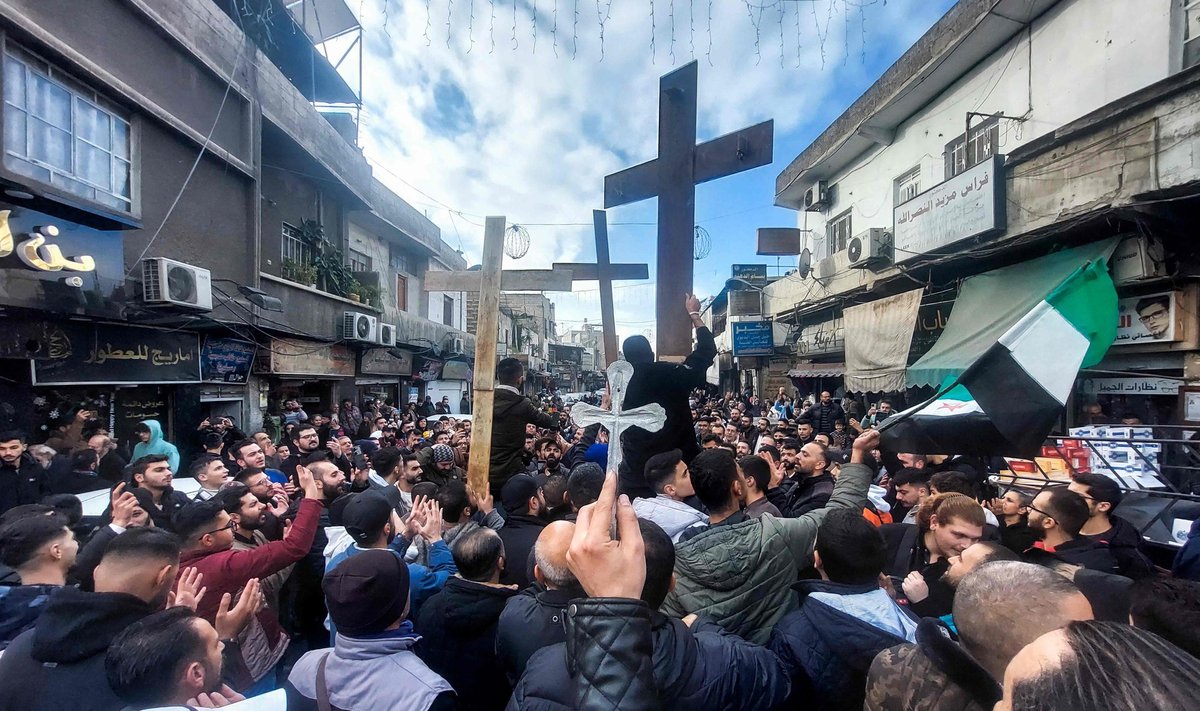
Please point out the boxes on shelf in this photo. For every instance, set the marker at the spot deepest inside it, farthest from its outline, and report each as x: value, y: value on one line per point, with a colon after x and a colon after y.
x: 1021, y: 466
x: 1051, y: 464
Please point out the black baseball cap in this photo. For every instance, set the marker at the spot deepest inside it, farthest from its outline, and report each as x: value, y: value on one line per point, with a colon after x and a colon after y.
x: 365, y: 514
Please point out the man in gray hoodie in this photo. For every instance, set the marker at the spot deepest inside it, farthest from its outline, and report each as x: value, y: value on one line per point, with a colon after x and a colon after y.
x: 668, y: 475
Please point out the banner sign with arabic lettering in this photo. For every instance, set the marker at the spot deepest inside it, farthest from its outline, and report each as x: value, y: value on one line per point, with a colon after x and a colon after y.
x: 969, y: 204
x: 1147, y: 319
x: 50, y: 264
x: 753, y: 338
x: 111, y: 354
x: 1130, y: 386
x: 226, y: 360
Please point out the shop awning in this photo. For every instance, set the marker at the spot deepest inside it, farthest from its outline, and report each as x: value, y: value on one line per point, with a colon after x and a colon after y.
x: 878, y: 336
x: 989, y: 304
x: 818, y: 370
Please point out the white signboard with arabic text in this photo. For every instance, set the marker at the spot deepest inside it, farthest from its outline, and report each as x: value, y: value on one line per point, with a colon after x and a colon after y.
x: 969, y: 204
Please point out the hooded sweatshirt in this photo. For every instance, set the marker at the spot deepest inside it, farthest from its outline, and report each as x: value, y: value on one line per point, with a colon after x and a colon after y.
x: 59, y: 665
x: 157, y: 445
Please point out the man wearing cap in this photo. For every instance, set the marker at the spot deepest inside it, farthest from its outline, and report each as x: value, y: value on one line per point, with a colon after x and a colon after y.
x: 669, y: 385
x: 526, y: 511
x: 370, y: 520
x: 372, y: 665
x: 442, y: 467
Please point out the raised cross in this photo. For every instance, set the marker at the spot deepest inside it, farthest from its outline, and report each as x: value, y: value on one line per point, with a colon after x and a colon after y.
x: 606, y: 273
x: 650, y: 417
x: 672, y: 177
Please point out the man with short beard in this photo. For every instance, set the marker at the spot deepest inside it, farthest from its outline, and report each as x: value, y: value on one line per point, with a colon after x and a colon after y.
x: 112, y: 464
x: 396, y: 472
x: 59, y: 664
x: 549, y: 456
x: 250, y: 513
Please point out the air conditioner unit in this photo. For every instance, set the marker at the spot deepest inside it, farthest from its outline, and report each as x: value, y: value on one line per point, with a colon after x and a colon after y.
x: 387, y: 334
x: 1137, y: 258
x: 826, y: 268
x: 745, y: 303
x: 360, y: 327
x: 168, y: 282
x: 816, y: 198
x: 456, y: 345
x: 871, y: 249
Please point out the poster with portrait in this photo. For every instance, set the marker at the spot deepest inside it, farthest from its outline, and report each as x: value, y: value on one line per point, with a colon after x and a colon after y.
x: 1146, y: 319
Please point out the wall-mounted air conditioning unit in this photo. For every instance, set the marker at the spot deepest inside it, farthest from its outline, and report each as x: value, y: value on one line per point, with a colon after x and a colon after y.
x: 816, y: 198
x: 871, y: 249
x: 359, y: 327
x: 826, y: 268
x: 456, y: 345
x: 168, y: 282
x: 387, y: 334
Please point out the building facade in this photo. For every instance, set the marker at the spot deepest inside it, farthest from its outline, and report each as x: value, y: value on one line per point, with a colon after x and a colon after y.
x: 184, y: 235
x: 1012, y: 143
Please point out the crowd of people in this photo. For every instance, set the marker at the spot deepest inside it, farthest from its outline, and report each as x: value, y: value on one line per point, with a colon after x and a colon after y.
x: 752, y: 554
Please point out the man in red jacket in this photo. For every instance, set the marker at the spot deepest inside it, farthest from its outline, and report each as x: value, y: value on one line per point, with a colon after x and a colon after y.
x: 207, y: 535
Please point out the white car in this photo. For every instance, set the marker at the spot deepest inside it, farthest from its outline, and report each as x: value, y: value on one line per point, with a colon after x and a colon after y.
x: 95, y: 502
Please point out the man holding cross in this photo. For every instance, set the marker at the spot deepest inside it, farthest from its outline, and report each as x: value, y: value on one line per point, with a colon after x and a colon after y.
x: 669, y: 385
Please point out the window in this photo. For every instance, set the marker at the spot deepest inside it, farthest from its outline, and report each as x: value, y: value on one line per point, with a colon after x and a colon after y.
x: 448, y: 310
x: 837, y: 232
x: 908, y: 186
x: 401, y: 293
x: 359, y: 262
x: 63, y: 134
x: 400, y: 262
x: 1191, y: 33
x: 968, y: 151
x: 295, y: 252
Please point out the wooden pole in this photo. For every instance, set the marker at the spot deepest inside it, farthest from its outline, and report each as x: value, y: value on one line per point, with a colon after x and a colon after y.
x: 479, y: 464
x: 604, y: 274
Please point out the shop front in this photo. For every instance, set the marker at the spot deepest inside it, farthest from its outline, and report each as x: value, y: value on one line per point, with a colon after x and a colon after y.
x: 384, y: 374
x: 315, y: 374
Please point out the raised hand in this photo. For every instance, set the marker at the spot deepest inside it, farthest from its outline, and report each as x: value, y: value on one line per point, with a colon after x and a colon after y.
x: 231, y: 620
x: 307, y: 484
x: 188, y: 592
x: 483, y: 504
x: 863, y: 444
x: 431, y: 529
x: 124, y: 504
x: 216, y: 699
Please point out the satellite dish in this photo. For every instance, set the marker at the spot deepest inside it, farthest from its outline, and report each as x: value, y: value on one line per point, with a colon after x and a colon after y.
x: 804, y: 263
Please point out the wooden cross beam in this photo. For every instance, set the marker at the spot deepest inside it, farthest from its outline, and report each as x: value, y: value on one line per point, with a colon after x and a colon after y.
x: 487, y: 282
x: 606, y: 273
x: 510, y: 280
x: 672, y: 177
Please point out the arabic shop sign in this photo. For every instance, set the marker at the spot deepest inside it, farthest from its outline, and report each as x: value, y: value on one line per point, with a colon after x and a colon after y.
x: 1130, y: 386
x: 822, y: 338
x: 969, y: 204
x: 47, y: 263
x: 226, y: 360
x: 931, y: 321
x: 753, y: 338
x: 1147, y: 319
x: 386, y: 361
x: 111, y: 354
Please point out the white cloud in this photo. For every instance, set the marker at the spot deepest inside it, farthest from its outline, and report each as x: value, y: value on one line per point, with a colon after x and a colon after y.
x: 538, y: 132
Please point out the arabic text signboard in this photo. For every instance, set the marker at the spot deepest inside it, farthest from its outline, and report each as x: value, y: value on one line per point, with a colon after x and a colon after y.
x: 111, y: 354
x: 226, y: 360
x: 969, y: 204
x: 50, y: 264
x: 1131, y: 386
x: 753, y: 338
x: 1147, y: 319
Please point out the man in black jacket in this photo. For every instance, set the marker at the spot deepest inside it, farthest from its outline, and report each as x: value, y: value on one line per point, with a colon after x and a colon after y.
x: 534, y: 618
x: 22, y: 479
x: 814, y: 484
x: 844, y: 619
x: 526, y: 516
x: 1123, y: 539
x: 669, y: 385
x: 152, y: 473
x: 59, y: 665
x: 696, y: 667
x: 511, y: 411
x: 824, y: 414
x: 458, y: 624
x: 1058, y: 514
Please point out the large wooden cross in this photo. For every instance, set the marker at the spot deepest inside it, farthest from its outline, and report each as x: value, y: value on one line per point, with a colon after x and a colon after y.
x: 672, y: 177
x: 606, y: 273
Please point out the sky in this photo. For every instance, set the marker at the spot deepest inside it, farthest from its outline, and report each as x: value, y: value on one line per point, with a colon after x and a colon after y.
x: 521, y: 109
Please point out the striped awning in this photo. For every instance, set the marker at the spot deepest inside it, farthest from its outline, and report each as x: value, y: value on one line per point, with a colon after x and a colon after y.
x: 818, y: 370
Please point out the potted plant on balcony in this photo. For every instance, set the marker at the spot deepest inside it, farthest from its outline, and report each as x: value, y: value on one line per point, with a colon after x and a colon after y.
x: 354, y: 291
x: 370, y: 295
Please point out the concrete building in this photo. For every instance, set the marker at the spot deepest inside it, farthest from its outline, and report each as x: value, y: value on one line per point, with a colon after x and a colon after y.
x: 178, y: 165
x: 1011, y: 131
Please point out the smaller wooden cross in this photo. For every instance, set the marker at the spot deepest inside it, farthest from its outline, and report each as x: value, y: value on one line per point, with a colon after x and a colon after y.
x: 650, y: 417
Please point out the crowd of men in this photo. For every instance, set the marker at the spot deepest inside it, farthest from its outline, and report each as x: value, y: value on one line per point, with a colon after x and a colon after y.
x: 768, y: 556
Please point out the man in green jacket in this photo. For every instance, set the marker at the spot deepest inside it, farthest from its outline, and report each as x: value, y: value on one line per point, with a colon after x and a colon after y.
x: 740, y: 570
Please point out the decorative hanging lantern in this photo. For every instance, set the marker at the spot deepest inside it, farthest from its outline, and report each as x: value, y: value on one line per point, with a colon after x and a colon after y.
x: 703, y: 244
x: 516, y: 241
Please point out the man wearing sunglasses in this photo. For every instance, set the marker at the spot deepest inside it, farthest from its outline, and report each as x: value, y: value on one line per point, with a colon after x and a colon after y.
x: 206, y: 531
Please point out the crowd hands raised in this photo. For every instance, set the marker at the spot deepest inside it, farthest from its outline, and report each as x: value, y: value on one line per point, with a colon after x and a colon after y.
x: 776, y: 559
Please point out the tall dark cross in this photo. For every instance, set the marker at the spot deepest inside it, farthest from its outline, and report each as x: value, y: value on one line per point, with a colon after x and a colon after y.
x: 672, y: 177
x: 606, y: 273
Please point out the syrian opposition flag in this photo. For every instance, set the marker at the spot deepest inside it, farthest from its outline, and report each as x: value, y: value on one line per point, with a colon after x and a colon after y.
x: 1007, y: 402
